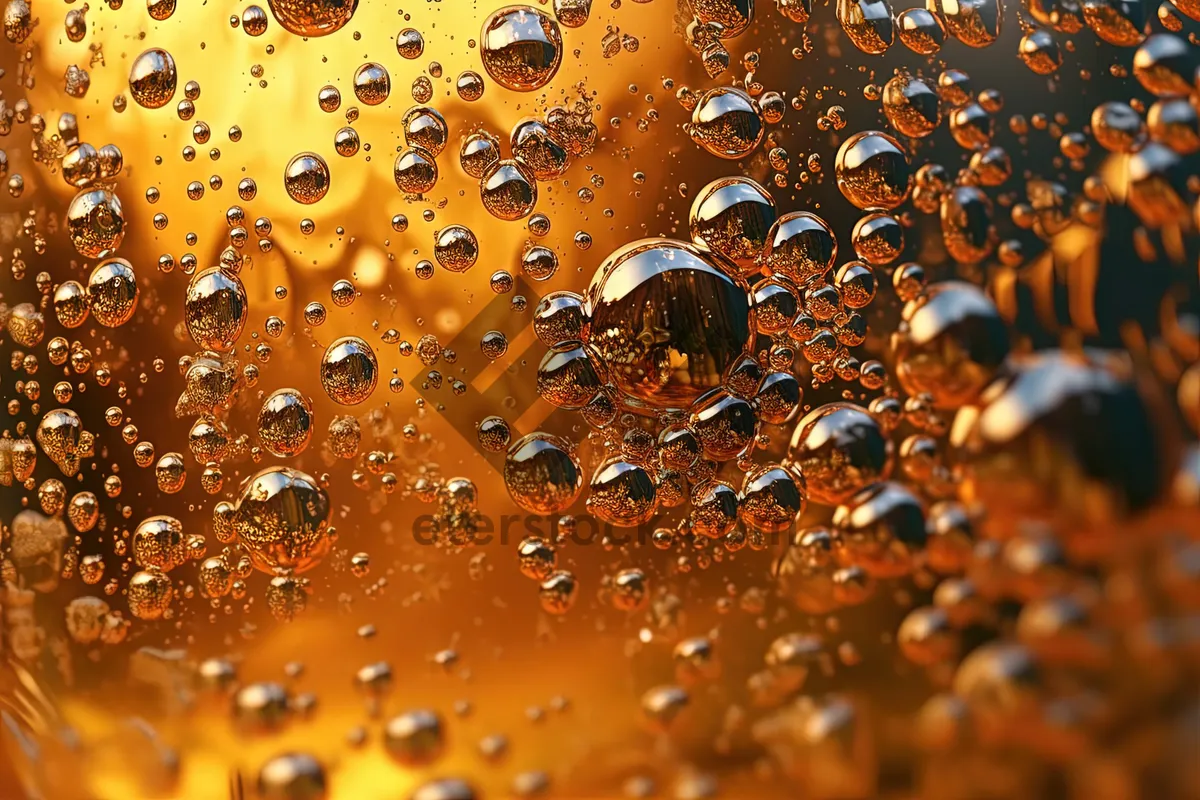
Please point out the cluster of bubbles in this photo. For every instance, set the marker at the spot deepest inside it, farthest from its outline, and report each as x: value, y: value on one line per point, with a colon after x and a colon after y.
x: 857, y: 427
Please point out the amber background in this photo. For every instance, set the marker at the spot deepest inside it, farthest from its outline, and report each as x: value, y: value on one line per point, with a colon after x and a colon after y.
x: 512, y: 655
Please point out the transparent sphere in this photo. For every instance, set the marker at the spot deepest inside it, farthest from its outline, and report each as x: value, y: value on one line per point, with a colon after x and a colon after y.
x: 282, y: 519
x: 950, y: 343
x: 872, y: 170
x: 1053, y: 423
x: 541, y: 474
x: 731, y: 216
x: 840, y: 448
x: 521, y: 48
x: 668, y: 320
x: 312, y: 18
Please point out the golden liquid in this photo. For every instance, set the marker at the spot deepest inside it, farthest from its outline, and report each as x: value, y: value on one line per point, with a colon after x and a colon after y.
x: 822, y: 680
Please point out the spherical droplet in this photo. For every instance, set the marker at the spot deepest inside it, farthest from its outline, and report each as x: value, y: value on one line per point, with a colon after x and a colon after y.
x: 521, y: 48
x: 727, y: 123
x: 541, y: 474
x: 349, y: 371
x: 950, y: 343
x: 839, y: 448
x: 95, y: 222
x: 312, y: 18
x: 285, y: 422
x: 152, y: 78
x: 668, y: 321
x: 282, y: 520
x: 731, y: 216
x: 872, y: 170
x: 215, y: 308
x: 306, y: 178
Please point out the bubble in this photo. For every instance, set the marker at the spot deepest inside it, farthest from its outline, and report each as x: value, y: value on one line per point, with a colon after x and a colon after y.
x: 312, y: 18
x: 306, y: 178
x: 152, y: 78
x: 1176, y: 124
x: 700, y: 315
x: 772, y: 499
x: 912, y: 105
x: 285, y: 423
x: 1079, y: 416
x: 731, y: 216
x: 170, y: 473
x: 558, y: 592
x: 150, y: 593
x: 415, y: 171
x: 882, y: 529
x: 733, y: 16
x: 1165, y: 65
x: 346, y: 142
x: 414, y: 738
x: 878, y: 239
x: 727, y: 123
x: 410, y: 44
x: 425, y: 128
x: 456, y: 248
x: 329, y: 99
x: 159, y: 542
x: 955, y: 87
x: 71, y: 304
x: 60, y: 434
x: 539, y: 225
x: 533, y: 146
x: 1000, y: 681
x: 83, y: 511
x: 950, y: 343
x: 558, y: 317
x: 661, y: 705
x: 1040, y: 52
x: 521, y: 48
x: 260, y: 707
x: 1117, y: 22
x: 966, y: 221
x: 840, y: 448
x: 975, y: 23
x: 539, y: 263
x: 800, y: 246
x: 349, y: 371
x: 292, y: 776
x: 777, y: 398
x: 541, y: 474
x: 444, y: 789
x: 872, y: 171
x: 868, y: 24
x: 856, y: 283
x: 567, y: 375
x: 920, y: 31
x: 622, y: 494
x: 714, y: 510
x: 215, y: 308
x: 494, y: 434
x: 95, y: 223
x: 253, y: 20
x: 723, y: 423
x: 508, y: 190
x: 282, y: 520
x: 479, y: 152
x: 926, y: 637
x: 572, y: 13
x: 345, y: 436
x: 991, y: 167
x: 372, y: 84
